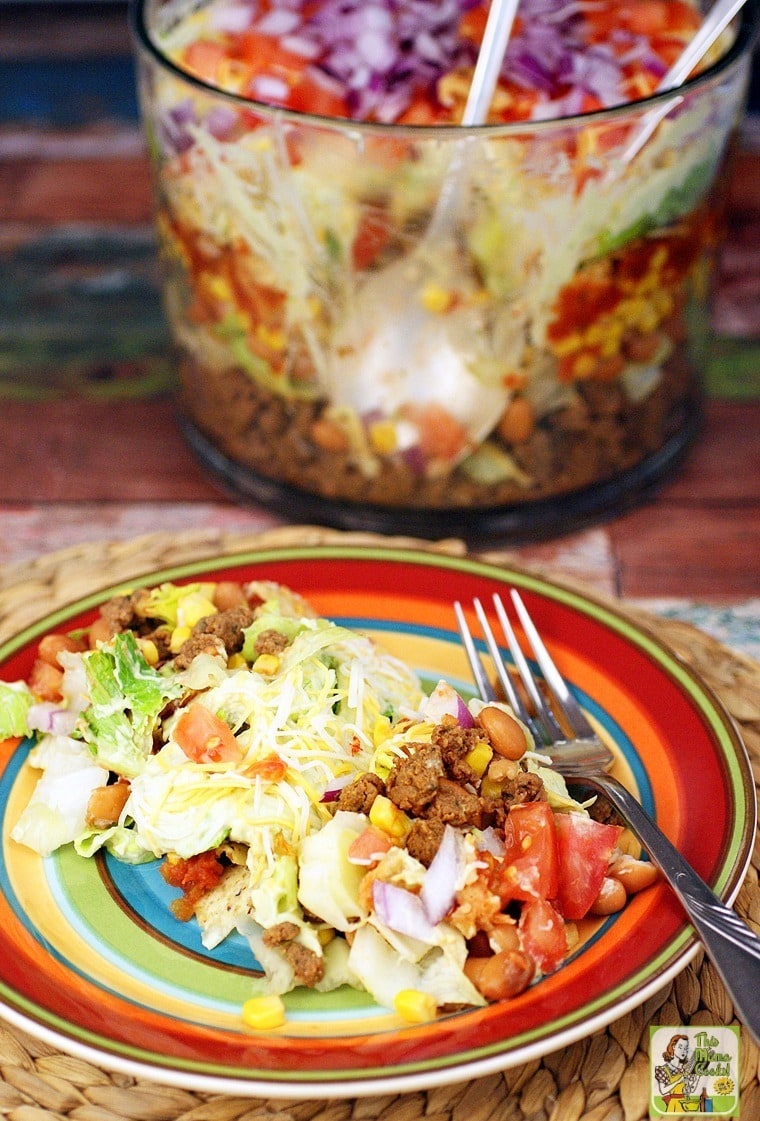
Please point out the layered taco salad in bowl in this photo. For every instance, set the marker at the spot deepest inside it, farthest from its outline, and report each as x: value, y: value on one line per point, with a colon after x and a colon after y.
x: 301, y: 789
x: 340, y: 353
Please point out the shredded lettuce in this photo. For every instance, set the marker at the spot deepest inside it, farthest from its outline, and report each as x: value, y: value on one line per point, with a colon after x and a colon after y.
x: 170, y: 601
x: 57, y: 811
x: 15, y: 701
x: 126, y: 697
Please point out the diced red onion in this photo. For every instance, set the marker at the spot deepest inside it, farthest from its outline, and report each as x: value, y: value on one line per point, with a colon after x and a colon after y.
x: 47, y: 717
x: 332, y: 792
x: 442, y: 877
x: 278, y: 21
x: 266, y: 87
x: 304, y: 48
x: 490, y: 841
x: 401, y: 910
x: 445, y: 701
x: 221, y: 122
x: 232, y: 18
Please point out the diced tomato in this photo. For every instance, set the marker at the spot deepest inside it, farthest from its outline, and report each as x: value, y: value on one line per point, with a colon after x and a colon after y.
x: 271, y: 768
x: 371, y: 238
x: 424, y: 110
x: 530, y: 863
x: 265, y: 55
x: 205, y: 738
x: 203, y: 58
x: 542, y: 933
x: 585, y: 847
x: 473, y: 23
x: 441, y: 434
x: 368, y: 845
x: 310, y: 96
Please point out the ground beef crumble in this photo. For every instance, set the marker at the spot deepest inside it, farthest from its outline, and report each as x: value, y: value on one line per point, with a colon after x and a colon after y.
x: 413, y: 782
x: 227, y: 625
x: 359, y: 795
x: 434, y: 785
x: 307, y: 966
x: 270, y: 642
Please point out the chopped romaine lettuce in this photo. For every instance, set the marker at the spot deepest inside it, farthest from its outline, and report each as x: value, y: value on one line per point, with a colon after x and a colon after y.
x: 57, y: 811
x: 15, y: 701
x: 126, y: 697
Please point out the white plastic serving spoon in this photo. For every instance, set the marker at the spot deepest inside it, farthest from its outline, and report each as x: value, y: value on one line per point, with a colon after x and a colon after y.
x: 392, y: 350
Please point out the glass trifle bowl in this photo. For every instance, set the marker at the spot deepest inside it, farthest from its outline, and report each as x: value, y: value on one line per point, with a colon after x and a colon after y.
x: 515, y: 361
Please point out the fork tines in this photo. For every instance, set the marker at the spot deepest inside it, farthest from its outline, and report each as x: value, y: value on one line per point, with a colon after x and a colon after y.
x: 542, y: 721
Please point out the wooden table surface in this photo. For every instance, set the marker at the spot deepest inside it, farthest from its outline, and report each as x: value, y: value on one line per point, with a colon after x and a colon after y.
x: 89, y: 445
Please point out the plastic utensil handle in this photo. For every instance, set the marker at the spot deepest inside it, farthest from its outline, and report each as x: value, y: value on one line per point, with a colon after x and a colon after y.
x: 732, y: 947
x: 715, y: 23
x: 501, y: 16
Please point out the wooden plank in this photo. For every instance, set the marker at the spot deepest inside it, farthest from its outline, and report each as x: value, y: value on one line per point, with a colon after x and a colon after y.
x: 723, y: 464
x: 98, y: 189
x: 74, y: 450
x: 698, y: 552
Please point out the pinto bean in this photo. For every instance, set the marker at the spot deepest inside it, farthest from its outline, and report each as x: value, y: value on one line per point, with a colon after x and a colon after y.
x: 633, y: 874
x: 611, y: 898
x: 45, y: 680
x: 53, y: 644
x: 102, y: 630
x: 228, y: 593
x: 518, y: 421
x: 105, y: 805
x: 506, y: 734
x: 504, y: 937
x: 502, y: 975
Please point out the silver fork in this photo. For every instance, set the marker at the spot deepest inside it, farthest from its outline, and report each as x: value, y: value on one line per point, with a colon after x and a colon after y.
x: 584, y: 759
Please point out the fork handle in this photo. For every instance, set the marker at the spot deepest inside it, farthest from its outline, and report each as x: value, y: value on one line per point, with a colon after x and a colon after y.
x: 733, y: 948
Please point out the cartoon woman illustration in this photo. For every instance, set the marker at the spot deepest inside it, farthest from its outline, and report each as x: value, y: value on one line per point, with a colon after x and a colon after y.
x: 676, y: 1078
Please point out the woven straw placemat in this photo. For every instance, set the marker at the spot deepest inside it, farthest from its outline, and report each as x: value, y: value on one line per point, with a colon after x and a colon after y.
x: 604, y: 1077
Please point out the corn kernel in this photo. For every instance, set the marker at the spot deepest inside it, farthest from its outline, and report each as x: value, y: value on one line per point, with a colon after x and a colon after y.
x: 596, y: 333
x: 414, y: 1006
x: 179, y: 635
x: 218, y: 287
x: 648, y: 320
x: 584, y: 365
x: 267, y: 664
x: 194, y: 607
x: 479, y: 758
x: 271, y: 337
x: 632, y: 308
x: 568, y: 345
x: 381, y: 730
x: 388, y: 817
x: 436, y: 299
x: 489, y: 788
x: 663, y: 303
x: 313, y: 306
x: 236, y: 661
x: 232, y: 75
x: 612, y: 340
x: 149, y: 650
x: 262, y: 1013
x: 382, y: 435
